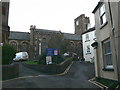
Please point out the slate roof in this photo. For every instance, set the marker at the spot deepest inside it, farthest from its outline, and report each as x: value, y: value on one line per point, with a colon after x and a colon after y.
x: 89, y: 30
x: 26, y: 35
x: 19, y: 35
x: 46, y: 30
x: 69, y: 36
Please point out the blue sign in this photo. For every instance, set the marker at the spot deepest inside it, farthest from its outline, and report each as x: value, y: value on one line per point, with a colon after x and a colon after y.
x: 51, y: 51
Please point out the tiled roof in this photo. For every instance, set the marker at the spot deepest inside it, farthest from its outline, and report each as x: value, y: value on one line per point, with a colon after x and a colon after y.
x: 19, y: 35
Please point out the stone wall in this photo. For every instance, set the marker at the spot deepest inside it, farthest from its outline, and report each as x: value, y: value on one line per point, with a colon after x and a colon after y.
x: 51, y: 68
x: 10, y: 71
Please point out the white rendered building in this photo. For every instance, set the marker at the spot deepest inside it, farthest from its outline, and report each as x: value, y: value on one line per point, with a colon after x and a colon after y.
x: 88, y: 38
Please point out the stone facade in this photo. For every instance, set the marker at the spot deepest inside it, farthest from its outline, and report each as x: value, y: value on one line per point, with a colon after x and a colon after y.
x: 40, y: 37
x: 35, y: 42
x: 4, y: 28
x: 81, y: 24
x: 20, y: 40
x: 108, y: 37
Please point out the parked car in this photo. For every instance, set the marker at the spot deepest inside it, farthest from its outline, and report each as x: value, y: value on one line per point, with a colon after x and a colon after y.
x: 21, y: 56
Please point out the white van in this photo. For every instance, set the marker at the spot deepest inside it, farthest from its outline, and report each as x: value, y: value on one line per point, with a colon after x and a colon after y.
x: 21, y: 56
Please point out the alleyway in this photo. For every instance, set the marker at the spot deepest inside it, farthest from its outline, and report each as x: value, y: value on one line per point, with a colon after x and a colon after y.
x: 77, y: 77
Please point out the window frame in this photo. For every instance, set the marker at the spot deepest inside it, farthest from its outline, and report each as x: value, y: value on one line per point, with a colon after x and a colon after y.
x: 87, y: 50
x: 102, y: 15
x: 87, y: 38
x: 107, y: 67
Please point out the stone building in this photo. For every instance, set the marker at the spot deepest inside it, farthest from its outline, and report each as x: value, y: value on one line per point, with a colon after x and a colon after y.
x: 107, y: 47
x: 40, y: 37
x: 4, y: 28
x: 35, y: 42
x: 81, y: 24
x: 20, y: 40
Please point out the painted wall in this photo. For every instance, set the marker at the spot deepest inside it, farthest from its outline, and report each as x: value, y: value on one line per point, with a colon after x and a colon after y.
x: 102, y: 34
x: 89, y: 56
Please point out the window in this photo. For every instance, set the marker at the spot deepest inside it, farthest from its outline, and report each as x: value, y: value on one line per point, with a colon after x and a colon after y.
x: 87, y: 37
x: 94, y: 35
x: 102, y: 15
x: 88, y: 49
x: 14, y: 44
x: 107, y: 55
x: 77, y: 23
x: 3, y: 10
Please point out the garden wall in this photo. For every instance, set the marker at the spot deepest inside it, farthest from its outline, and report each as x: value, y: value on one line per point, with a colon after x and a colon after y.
x: 10, y: 71
x: 51, y: 68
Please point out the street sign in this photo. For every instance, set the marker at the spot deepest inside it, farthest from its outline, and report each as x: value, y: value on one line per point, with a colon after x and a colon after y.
x: 48, y: 60
x: 51, y: 51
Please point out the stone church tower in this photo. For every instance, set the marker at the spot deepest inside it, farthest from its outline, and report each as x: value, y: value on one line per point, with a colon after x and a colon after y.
x: 81, y: 24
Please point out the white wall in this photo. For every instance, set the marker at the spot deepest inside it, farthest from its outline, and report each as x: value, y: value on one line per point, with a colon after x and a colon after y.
x: 92, y: 37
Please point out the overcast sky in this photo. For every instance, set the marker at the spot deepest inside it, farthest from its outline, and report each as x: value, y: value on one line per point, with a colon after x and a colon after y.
x: 48, y: 14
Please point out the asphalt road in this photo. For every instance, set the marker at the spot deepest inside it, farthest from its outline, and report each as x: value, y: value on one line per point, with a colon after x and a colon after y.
x: 77, y: 77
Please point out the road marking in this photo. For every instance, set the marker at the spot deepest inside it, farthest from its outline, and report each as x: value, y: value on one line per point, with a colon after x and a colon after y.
x: 65, y: 72
x: 98, y: 84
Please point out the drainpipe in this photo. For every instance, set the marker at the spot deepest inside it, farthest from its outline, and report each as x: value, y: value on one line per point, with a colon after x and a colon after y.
x: 113, y: 29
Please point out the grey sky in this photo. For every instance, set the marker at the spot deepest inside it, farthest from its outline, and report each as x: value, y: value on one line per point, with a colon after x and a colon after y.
x: 49, y: 14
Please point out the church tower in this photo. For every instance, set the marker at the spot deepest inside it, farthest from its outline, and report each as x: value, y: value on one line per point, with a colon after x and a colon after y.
x: 81, y: 24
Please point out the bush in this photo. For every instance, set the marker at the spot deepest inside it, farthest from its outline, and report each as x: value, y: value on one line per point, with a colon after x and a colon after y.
x: 42, y: 59
x: 8, y: 53
x: 55, y: 59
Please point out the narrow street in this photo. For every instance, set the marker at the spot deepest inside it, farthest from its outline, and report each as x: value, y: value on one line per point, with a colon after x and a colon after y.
x: 77, y: 77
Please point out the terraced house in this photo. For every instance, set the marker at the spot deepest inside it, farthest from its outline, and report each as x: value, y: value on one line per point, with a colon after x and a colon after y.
x: 107, y: 47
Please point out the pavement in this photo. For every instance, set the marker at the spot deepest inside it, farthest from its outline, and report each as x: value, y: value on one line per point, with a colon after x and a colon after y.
x: 76, y: 77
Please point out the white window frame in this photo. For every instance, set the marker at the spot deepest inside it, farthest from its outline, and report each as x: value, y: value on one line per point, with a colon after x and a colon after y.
x: 88, y: 51
x: 102, y: 13
x: 87, y: 37
x: 106, y: 65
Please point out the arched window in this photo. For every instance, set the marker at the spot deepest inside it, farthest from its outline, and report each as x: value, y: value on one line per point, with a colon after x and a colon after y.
x: 14, y: 44
x: 24, y: 47
x: 72, y: 44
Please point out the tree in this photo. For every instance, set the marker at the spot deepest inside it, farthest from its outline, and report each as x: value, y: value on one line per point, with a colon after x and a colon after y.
x: 8, y: 53
x: 57, y: 41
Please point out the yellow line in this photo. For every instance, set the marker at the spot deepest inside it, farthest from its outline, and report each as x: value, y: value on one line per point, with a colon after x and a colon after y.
x: 98, y: 84
x: 65, y: 72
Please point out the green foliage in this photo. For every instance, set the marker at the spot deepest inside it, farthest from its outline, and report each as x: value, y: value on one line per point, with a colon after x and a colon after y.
x: 57, y: 41
x: 57, y: 59
x: 31, y: 62
x: 8, y: 53
x: 42, y: 59
x: 68, y: 58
